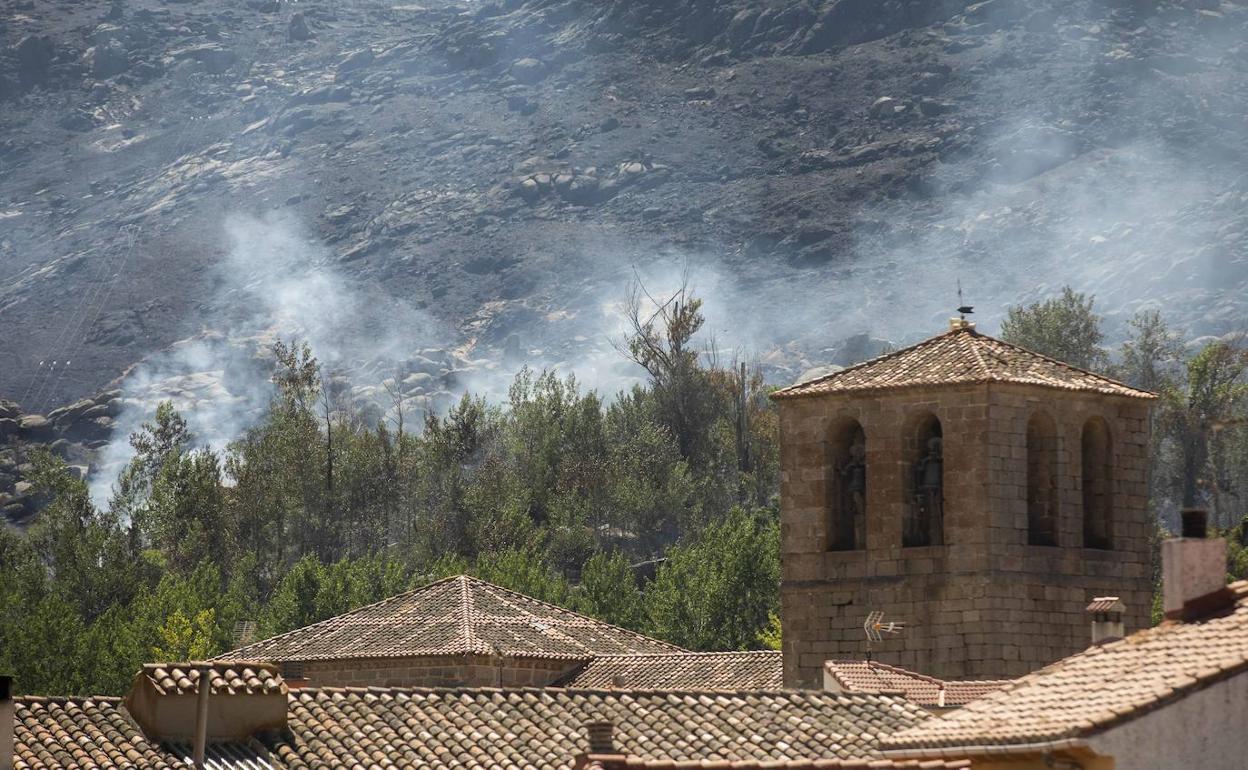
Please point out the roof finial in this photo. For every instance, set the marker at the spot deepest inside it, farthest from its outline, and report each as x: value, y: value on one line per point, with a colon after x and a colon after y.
x: 956, y: 324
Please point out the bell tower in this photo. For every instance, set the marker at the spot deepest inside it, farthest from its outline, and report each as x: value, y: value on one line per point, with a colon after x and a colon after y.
x: 979, y: 492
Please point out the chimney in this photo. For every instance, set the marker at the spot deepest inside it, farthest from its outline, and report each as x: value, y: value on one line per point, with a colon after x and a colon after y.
x: 8, y: 722
x: 1193, y: 571
x: 601, y: 737
x: 1107, y: 619
x: 202, y: 689
x: 602, y: 752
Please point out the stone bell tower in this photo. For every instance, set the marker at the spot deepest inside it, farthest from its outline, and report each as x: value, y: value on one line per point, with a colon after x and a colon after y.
x: 978, y: 492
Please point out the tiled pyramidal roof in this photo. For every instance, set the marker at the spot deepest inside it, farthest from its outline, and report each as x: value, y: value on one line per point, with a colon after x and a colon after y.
x: 1098, y: 688
x: 456, y: 616
x: 229, y: 677
x: 958, y: 357
x: 872, y: 676
x: 699, y: 670
x: 485, y: 729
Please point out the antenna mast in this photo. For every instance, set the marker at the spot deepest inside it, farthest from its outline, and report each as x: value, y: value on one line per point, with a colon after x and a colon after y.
x: 875, y: 628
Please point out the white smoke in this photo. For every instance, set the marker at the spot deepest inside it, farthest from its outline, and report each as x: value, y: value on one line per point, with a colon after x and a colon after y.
x: 288, y: 289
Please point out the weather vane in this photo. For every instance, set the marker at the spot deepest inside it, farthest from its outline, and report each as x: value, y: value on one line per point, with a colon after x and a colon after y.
x: 963, y: 309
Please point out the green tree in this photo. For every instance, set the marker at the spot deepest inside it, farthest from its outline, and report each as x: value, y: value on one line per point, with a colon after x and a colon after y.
x: 1065, y: 328
x: 182, y: 638
x: 609, y: 591
x: 1195, y: 413
x: 717, y: 589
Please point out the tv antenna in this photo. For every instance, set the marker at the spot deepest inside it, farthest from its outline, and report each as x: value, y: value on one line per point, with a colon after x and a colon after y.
x: 875, y: 628
x: 963, y: 309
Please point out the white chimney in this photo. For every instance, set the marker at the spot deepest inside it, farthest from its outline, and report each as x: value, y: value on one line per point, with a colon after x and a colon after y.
x: 8, y: 722
x: 1193, y: 571
x: 1107, y: 618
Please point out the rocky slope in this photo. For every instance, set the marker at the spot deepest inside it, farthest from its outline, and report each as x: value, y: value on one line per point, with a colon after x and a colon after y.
x: 473, y: 184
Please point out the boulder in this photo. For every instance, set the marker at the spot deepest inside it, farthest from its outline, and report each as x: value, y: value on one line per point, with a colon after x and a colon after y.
x: 214, y: 57
x: 356, y: 60
x: 297, y: 29
x: 34, y: 55
x: 107, y: 60
x: 528, y: 70
x: 35, y: 426
x: 885, y: 107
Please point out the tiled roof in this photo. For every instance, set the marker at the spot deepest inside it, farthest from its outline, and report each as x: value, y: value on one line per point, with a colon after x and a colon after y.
x: 957, y: 357
x: 72, y: 733
x: 485, y: 729
x: 699, y: 670
x: 1099, y: 687
x: 873, y: 676
x: 229, y: 677
x: 456, y: 616
x: 638, y: 763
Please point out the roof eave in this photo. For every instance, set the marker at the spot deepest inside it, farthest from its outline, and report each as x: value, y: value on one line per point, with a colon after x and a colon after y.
x: 789, y: 393
x: 985, y: 750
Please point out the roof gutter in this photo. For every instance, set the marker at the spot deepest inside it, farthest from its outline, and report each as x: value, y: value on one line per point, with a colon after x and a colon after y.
x: 1001, y: 749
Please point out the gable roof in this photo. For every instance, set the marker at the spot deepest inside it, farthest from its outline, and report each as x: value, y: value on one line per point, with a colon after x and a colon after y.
x: 229, y: 677
x: 960, y: 356
x: 873, y: 676
x: 762, y: 670
x: 484, y: 728
x: 459, y: 615
x: 1098, y: 688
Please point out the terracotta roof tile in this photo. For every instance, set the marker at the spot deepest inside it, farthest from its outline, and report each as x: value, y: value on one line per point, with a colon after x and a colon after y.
x: 762, y: 670
x: 229, y: 677
x: 480, y: 729
x: 456, y: 616
x: 958, y: 357
x: 1099, y: 687
x: 873, y: 676
x: 72, y: 733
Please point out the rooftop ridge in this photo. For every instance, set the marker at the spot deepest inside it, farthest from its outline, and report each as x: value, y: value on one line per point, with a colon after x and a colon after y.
x: 454, y: 602
x: 68, y: 699
x: 379, y: 603
x: 965, y: 349
x: 465, y: 594
x: 685, y: 654
x: 876, y: 360
x: 616, y: 692
x: 574, y: 613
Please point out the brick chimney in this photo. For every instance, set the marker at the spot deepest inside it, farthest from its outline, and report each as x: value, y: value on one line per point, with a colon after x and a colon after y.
x: 1107, y: 619
x: 601, y: 737
x: 1193, y: 571
x: 8, y: 722
x: 602, y: 751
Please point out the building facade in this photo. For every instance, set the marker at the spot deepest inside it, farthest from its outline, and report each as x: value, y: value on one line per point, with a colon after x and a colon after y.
x: 977, y: 492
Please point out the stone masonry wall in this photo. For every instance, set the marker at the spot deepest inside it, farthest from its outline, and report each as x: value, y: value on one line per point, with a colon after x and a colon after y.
x: 985, y: 604
x: 436, y: 671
